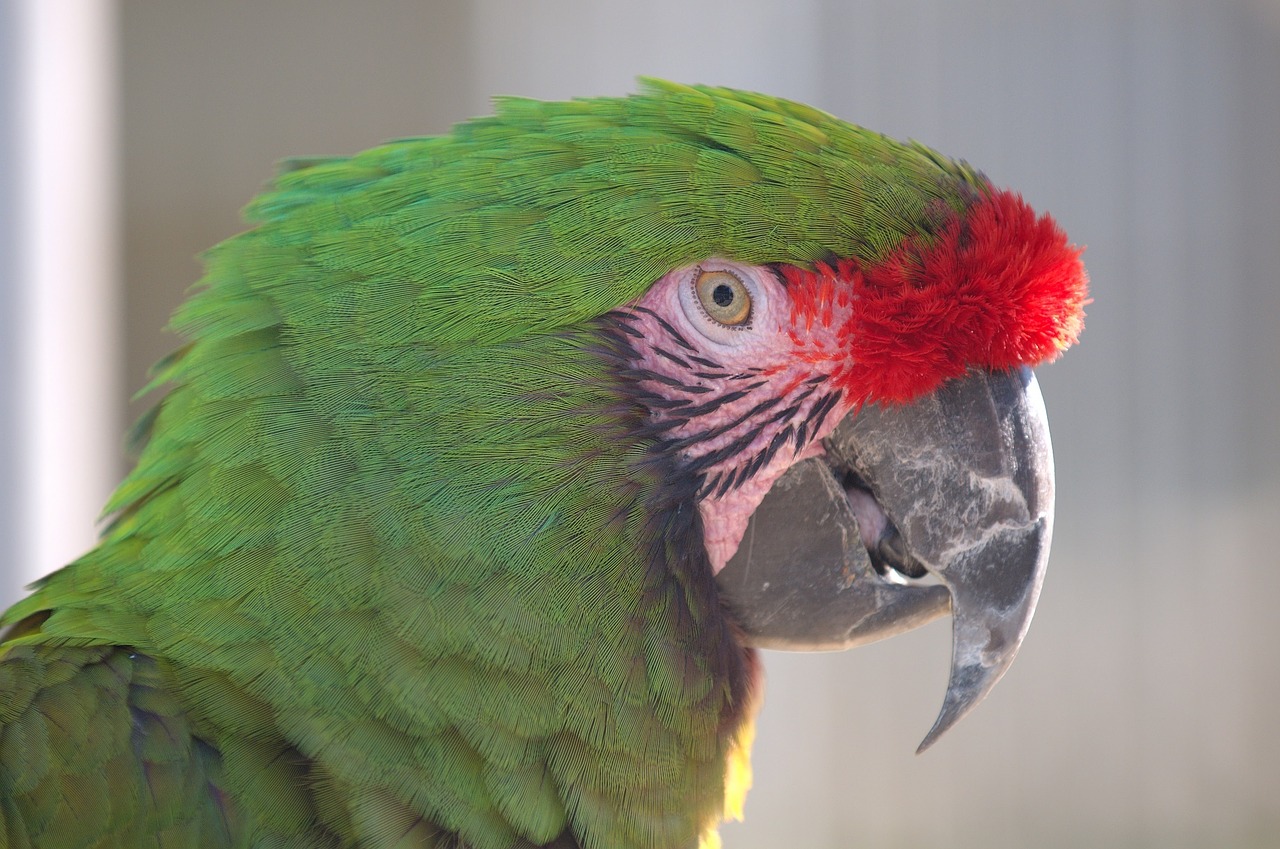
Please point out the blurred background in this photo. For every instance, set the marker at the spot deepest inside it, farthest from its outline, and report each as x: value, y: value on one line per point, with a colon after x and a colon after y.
x: 1142, y: 711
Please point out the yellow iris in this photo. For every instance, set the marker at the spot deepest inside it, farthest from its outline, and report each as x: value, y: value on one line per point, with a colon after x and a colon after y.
x: 725, y: 298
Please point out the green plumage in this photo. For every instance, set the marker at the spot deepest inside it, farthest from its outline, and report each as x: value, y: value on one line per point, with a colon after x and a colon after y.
x: 388, y: 568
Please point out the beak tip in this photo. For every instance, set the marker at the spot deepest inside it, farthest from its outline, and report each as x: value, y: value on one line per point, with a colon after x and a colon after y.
x: 929, y: 740
x: 969, y: 684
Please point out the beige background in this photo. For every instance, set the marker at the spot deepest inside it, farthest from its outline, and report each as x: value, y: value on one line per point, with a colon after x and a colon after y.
x: 1143, y: 709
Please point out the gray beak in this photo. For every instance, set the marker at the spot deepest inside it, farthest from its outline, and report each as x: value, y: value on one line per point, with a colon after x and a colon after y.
x: 943, y: 504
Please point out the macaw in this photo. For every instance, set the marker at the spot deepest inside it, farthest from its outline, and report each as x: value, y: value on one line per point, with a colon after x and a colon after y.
x: 491, y: 459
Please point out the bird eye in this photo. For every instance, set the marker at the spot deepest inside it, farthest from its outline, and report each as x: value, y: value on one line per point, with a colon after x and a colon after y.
x: 724, y: 302
x: 723, y: 297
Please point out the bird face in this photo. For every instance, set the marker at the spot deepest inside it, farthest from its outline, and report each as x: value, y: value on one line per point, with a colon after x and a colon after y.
x: 866, y: 446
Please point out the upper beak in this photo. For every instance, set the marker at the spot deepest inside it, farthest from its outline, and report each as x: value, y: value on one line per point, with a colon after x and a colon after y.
x: 955, y: 497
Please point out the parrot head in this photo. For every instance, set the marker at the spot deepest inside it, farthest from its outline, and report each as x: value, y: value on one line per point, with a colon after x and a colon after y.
x: 866, y: 445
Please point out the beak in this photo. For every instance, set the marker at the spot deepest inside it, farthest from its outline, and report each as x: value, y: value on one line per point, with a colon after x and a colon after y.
x: 943, y: 504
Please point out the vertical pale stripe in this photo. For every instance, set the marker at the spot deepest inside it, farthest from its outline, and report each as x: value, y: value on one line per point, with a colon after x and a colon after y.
x: 10, y: 581
x: 67, y: 384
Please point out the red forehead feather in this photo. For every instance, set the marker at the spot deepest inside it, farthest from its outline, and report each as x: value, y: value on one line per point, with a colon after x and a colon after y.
x: 996, y: 288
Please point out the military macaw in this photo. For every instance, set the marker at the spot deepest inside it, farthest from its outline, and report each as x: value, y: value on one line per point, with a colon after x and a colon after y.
x: 491, y: 458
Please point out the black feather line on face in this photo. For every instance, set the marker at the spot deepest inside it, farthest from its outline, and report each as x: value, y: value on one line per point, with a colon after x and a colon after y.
x: 797, y: 401
x: 682, y: 444
x: 802, y: 435
x: 779, y: 439
x: 660, y: 402
x: 785, y: 413
x: 744, y: 473
x: 818, y: 414
x: 712, y: 482
x: 616, y: 349
x: 726, y: 484
x: 671, y: 331
x: 809, y: 388
x: 756, y: 464
x: 663, y: 352
x: 622, y: 321
x: 655, y: 377
x: 716, y: 403
x: 704, y: 362
x: 714, y: 458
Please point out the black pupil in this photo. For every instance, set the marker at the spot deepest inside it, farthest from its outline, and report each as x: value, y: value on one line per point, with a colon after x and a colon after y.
x: 722, y: 295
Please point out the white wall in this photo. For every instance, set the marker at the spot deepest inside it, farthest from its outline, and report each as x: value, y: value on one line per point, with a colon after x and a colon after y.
x: 10, y: 580
x: 1140, y: 712
x: 62, y: 322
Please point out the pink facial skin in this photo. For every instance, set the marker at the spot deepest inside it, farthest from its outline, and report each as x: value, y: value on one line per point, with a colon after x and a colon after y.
x: 744, y: 402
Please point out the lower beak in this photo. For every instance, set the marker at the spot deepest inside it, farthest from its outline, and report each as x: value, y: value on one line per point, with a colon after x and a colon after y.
x: 943, y: 504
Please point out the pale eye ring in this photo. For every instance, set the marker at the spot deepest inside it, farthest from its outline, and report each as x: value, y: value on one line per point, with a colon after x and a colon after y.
x: 723, y: 297
x: 724, y: 302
